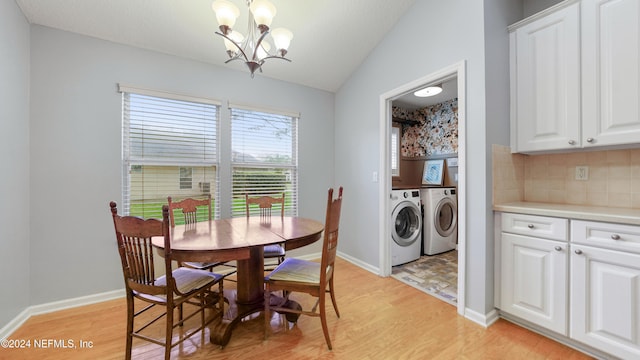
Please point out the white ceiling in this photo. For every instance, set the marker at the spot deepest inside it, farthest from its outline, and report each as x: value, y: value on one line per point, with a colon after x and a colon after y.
x: 412, y: 102
x: 331, y: 37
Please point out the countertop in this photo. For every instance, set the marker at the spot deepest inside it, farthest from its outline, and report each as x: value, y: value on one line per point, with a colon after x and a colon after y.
x: 578, y: 212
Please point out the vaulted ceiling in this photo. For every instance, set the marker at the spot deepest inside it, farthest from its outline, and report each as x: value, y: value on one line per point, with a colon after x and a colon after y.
x: 331, y: 37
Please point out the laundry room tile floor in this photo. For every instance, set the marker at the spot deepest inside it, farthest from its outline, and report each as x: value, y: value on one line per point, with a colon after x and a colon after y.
x: 436, y: 275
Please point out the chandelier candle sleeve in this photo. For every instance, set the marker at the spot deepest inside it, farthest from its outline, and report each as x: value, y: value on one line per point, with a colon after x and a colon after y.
x: 252, y: 49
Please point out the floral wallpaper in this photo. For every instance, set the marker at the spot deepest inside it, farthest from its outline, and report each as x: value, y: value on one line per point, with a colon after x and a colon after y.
x: 436, y: 131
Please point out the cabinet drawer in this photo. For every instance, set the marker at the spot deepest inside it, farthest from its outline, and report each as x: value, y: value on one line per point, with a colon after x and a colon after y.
x: 537, y: 226
x: 613, y: 236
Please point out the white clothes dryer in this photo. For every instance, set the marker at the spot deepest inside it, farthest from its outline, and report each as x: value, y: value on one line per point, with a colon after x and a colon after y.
x: 406, y: 226
x: 440, y: 219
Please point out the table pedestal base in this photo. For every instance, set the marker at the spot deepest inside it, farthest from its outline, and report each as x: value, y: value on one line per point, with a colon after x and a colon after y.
x: 220, y: 332
x: 248, y: 299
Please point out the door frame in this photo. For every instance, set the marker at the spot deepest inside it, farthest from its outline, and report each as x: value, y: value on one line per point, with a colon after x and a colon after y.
x: 384, y: 188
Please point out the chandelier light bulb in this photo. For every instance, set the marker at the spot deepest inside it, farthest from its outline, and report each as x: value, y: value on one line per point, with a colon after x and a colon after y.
x: 263, y: 50
x: 226, y: 14
x: 282, y: 39
x: 237, y: 38
x: 263, y: 12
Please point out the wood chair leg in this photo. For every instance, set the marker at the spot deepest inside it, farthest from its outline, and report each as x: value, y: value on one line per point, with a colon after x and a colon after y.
x: 221, y: 299
x: 323, y: 319
x: 267, y: 311
x: 202, y: 307
x: 168, y: 334
x: 333, y: 296
x: 130, y: 312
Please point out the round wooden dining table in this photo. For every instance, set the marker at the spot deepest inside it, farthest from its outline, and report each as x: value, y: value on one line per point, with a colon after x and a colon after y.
x: 241, y: 239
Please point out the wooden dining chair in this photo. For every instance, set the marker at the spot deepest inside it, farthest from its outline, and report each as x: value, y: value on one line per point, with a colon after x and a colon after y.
x: 312, y: 278
x: 189, y: 209
x: 173, y: 290
x: 265, y: 205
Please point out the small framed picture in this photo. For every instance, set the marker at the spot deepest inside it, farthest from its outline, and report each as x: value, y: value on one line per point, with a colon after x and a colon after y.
x: 433, y: 171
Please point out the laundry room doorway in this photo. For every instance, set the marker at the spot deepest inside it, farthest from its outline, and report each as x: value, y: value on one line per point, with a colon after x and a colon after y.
x: 455, y: 72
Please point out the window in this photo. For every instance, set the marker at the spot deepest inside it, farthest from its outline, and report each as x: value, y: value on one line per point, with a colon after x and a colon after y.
x: 186, y: 178
x: 264, y: 161
x: 395, y: 151
x: 169, y: 145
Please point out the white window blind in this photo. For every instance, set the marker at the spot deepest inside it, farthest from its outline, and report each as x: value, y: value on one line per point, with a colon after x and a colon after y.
x: 264, y: 157
x: 395, y: 151
x: 169, y: 149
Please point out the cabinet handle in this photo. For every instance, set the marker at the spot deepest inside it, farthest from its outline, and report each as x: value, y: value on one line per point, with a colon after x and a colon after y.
x: 615, y: 237
x: 578, y: 251
x: 572, y: 142
x: 589, y: 140
x: 558, y: 248
x: 530, y: 226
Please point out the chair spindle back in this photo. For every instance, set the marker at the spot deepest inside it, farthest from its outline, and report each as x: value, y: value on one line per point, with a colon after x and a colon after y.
x: 189, y: 209
x: 133, y: 235
x: 265, y: 204
x: 330, y: 243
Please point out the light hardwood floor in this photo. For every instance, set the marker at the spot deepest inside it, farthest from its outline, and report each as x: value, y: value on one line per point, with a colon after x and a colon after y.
x: 382, y: 318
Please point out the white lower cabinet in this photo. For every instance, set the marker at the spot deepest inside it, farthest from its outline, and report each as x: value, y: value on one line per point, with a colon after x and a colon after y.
x: 534, y: 280
x: 605, y: 300
x: 586, y: 290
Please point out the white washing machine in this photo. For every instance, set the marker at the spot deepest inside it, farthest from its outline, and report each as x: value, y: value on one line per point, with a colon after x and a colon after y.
x: 440, y: 219
x: 406, y: 226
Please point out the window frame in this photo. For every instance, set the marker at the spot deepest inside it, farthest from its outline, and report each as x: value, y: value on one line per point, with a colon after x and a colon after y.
x: 396, y: 131
x: 132, y: 164
x: 237, y: 201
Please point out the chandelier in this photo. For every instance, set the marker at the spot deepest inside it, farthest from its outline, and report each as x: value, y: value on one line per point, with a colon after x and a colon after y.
x: 252, y: 49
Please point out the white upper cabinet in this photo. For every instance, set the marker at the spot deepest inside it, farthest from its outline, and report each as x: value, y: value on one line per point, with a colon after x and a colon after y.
x: 610, y: 72
x: 575, y: 76
x: 545, y: 74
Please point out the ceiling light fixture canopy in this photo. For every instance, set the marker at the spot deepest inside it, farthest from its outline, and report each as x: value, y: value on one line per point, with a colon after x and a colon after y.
x: 429, y: 91
x: 253, y: 49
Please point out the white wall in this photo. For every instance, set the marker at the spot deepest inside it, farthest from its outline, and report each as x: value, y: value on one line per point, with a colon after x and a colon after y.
x: 76, y: 148
x: 499, y: 14
x: 431, y: 36
x: 531, y: 7
x: 14, y: 159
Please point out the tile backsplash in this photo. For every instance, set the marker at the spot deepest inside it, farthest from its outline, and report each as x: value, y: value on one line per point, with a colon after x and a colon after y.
x: 613, y: 178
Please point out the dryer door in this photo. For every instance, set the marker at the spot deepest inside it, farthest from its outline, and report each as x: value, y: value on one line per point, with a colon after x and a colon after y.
x: 406, y: 223
x: 445, y: 217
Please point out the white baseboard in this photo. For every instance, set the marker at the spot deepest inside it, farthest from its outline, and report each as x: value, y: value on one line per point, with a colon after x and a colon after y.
x: 14, y: 324
x: 310, y: 257
x: 484, y: 320
x: 359, y: 263
x: 30, y: 311
x: 343, y: 256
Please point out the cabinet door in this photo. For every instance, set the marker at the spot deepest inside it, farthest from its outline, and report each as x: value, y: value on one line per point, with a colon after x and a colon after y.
x: 611, y: 72
x: 534, y: 280
x: 605, y: 300
x: 547, y: 73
